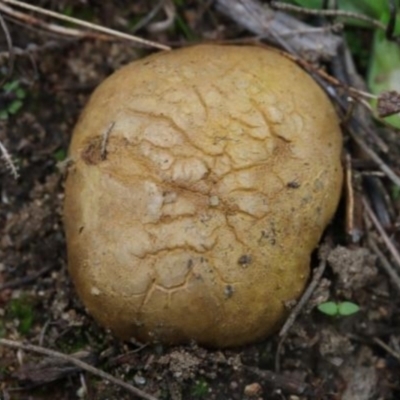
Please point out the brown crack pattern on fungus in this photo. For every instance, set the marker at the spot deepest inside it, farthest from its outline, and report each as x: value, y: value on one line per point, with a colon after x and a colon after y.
x: 192, y: 229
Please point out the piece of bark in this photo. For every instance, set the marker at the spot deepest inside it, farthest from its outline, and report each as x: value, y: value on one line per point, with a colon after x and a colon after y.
x: 278, y: 27
x: 281, y: 382
x: 388, y: 103
x: 51, y: 369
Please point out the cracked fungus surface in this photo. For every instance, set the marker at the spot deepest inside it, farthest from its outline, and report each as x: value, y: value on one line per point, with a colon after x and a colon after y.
x: 194, y: 216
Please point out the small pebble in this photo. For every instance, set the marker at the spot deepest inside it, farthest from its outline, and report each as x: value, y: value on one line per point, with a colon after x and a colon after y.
x: 253, y: 390
x: 139, y: 380
x: 233, y: 385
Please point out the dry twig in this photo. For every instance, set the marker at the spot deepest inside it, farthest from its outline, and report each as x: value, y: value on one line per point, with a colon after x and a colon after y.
x: 387, y: 348
x: 275, y: 25
x: 386, y: 265
x: 161, y: 26
x: 317, y: 275
x: 80, y: 364
x: 27, y: 20
x: 8, y: 160
x: 328, y: 13
x: 97, y: 28
x: 374, y: 156
x: 10, y: 50
x: 149, y: 17
x: 354, y: 228
x: 388, y: 242
x: 285, y: 383
x: 26, y: 279
x: 384, y: 262
x: 104, y: 141
x: 33, y: 49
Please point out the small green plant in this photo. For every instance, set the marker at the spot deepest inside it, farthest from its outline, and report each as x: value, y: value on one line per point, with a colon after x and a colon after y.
x: 22, y: 310
x: 60, y: 155
x: 343, y: 309
x: 11, y: 99
x: 73, y: 342
x: 182, y: 26
x: 395, y: 192
x: 2, y: 330
x: 200, y: 389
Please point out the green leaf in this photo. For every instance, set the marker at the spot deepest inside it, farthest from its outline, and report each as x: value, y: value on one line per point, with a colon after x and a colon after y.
x: 200, y: 389
x: 384, y: 70
x: 328, y: 308
x: 60, y: 155
x: 395, y: 192
x: 180, y: 24
x: 68, y: 10
x: 347, y: 308
x: 3, y: 115
x: 22, y: 310
x: 370, y: 8
x: 11, y: 86
x: 14, y: 106
x: 20, y: 93
x: 317, y: 4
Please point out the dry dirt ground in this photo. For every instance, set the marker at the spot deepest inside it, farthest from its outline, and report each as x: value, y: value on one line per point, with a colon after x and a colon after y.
x: 352, y: 358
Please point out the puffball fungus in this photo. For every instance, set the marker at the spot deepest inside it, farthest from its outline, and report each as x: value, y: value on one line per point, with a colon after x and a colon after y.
x: 202, y: 180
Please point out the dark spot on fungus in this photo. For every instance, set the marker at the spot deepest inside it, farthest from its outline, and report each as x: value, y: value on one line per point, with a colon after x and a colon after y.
x: 228, y: 291
x: 293, y: 185
x: 318, y: 185
x: 245, y: 259
x: 289, y: 304
x: 81, y: 229
x: 268, y: 236
x: 91, y: 154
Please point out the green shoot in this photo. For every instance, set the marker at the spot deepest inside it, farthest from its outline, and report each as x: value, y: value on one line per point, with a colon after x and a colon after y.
x: 343, y: 309
x: 200, y: 389
x: 13, y: 96
x: 21, y: 309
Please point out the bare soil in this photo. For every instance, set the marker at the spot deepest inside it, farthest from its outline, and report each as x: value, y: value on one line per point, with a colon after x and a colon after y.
x: 349, y: 358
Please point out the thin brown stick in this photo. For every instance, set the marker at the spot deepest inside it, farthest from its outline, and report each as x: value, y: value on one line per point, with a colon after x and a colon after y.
x: 27, y: 20
x: 353, y: 224
x: 86, y: 24
x: 263, y: 21
x: 322, y: 29
x: 317, y: 275
x: 375, y: 221
x: 285, y: 383
x: 384, y: 262
x: 328, y: 13
x: 357, y: 93
x: 378, y: 160
x: 387, y: 348
x: 349, y: 196
x: 8, y: 160
x: 78, y: 363
x: 104, y: 140
x: 303, y: 300
x: 149, y: 17
x: 25, y: 280
x: 162, y: 26
x: 34, y: 50
x: 10, y: 50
